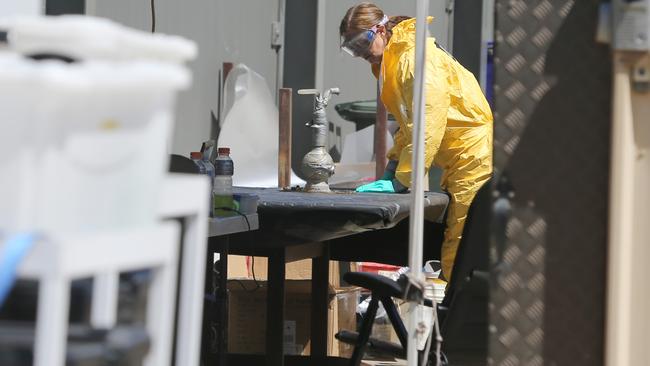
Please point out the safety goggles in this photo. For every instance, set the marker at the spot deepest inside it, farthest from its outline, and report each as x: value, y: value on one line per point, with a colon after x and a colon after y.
x: 359, y: 44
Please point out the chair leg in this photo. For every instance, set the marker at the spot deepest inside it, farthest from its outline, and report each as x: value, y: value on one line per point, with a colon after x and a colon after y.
x: 396, y: 320
x: 364, y: 332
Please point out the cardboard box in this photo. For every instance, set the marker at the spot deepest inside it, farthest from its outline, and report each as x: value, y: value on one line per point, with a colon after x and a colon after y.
x: 247, y: 317
x: 242, y: 267
x: 237, y: 267
x: 342, y: 316
x: 297, y: 270
x: 382, y: 329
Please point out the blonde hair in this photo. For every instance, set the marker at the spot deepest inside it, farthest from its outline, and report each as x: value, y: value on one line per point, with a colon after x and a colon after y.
x: 364, y: 16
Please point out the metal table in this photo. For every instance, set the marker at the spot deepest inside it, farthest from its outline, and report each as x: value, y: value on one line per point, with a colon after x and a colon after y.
x: 342, y: 226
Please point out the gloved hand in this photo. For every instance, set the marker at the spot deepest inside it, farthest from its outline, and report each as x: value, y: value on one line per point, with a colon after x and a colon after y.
x: 378, y: 186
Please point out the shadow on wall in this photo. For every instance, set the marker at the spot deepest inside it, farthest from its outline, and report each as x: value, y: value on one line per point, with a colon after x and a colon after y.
x: 562, y: 165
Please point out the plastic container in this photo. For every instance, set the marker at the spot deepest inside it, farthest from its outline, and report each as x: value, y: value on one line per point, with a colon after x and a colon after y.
x: 83, y: 145
x: 432, y: 269
x: 246, y: 202
x: 92, y: 38
x: 209, y: 168
x: 362, y: 112
x: 198, y: 160
x: 223, y: 203
x: 378, y: 268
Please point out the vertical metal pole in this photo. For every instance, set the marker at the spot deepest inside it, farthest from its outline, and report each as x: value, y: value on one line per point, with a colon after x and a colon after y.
x: 279, y: 67
x: 380, y: 135
x: 91, y: 7
x: 284, y: 144
x: 417, y: 175
x: 321, y: 31
x: 487, y: 37
x: 449, y: 9
x: 627, y: 320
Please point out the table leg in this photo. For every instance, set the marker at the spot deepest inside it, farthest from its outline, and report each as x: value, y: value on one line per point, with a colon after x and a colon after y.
x: 320, y: 294
x: 215, y: 313
x: 208, y: 305
x: 275, y: 309
x: 222, y: 304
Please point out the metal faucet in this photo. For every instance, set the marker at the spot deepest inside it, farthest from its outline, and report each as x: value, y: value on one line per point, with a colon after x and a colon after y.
x: 317, y: 165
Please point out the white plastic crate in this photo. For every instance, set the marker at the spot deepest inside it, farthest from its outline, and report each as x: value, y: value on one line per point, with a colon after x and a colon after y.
x: 83, y: 145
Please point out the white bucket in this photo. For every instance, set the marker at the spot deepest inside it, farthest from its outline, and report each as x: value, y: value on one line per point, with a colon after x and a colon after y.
x: 91, y: 38
x: 83, y: 146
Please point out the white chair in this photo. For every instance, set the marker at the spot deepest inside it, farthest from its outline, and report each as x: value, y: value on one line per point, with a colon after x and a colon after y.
x: 182, y: 196
x: 57, y: 260
x: 186, y: 196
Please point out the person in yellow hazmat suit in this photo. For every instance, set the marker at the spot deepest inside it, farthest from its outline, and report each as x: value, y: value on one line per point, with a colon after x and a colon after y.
x: 458, y: 132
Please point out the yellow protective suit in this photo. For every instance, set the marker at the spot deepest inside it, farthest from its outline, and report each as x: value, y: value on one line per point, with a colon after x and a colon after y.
x: 458, y: 133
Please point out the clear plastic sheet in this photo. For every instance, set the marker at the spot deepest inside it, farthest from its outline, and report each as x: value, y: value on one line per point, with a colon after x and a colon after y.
x: 250, y: 129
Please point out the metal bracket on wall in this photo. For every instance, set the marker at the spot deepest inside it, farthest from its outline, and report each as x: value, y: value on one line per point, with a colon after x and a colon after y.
x: 449, y: 9
x: 276, y: 35
x: 641, y: 76
x: 449, y: 6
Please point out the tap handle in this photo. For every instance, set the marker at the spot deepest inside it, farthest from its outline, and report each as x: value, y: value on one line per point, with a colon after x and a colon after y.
x: 308, y: 91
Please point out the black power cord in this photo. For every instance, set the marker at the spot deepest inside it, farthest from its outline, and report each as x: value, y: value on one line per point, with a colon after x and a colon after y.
x: 248, y: 224
x: 153, y: 16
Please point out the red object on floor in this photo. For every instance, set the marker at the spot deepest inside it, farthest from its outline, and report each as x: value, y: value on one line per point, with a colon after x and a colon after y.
x: 373, y: 267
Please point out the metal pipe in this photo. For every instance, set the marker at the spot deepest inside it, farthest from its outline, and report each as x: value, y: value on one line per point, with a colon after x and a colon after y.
x: 317, y: 164
x: 321, y: 31
x: 380, y: 135
x: 621, y: 217
x: 319, y: 124
x: 284, y: 143
x: 449, y: 9
x: 279, y: 67
x: 487, y: 37
x: 417, y: 175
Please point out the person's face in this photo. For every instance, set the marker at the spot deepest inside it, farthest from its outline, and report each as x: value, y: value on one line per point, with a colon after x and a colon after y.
x: 376, y: 49
x: 368, y: 44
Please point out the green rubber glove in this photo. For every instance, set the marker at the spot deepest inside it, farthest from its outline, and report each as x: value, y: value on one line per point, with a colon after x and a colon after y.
x: 378, y: 186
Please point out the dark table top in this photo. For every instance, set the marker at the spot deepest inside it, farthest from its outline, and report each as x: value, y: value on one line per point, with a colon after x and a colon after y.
x: 293, y: 217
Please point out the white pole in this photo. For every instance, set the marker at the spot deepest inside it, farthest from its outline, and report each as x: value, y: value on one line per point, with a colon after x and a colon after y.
x: 417, y: 175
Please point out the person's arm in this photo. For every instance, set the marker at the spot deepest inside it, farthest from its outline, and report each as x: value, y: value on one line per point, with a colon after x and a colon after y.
x: 393, y: 154
x: 389, y: 171
x: 437, y: 102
